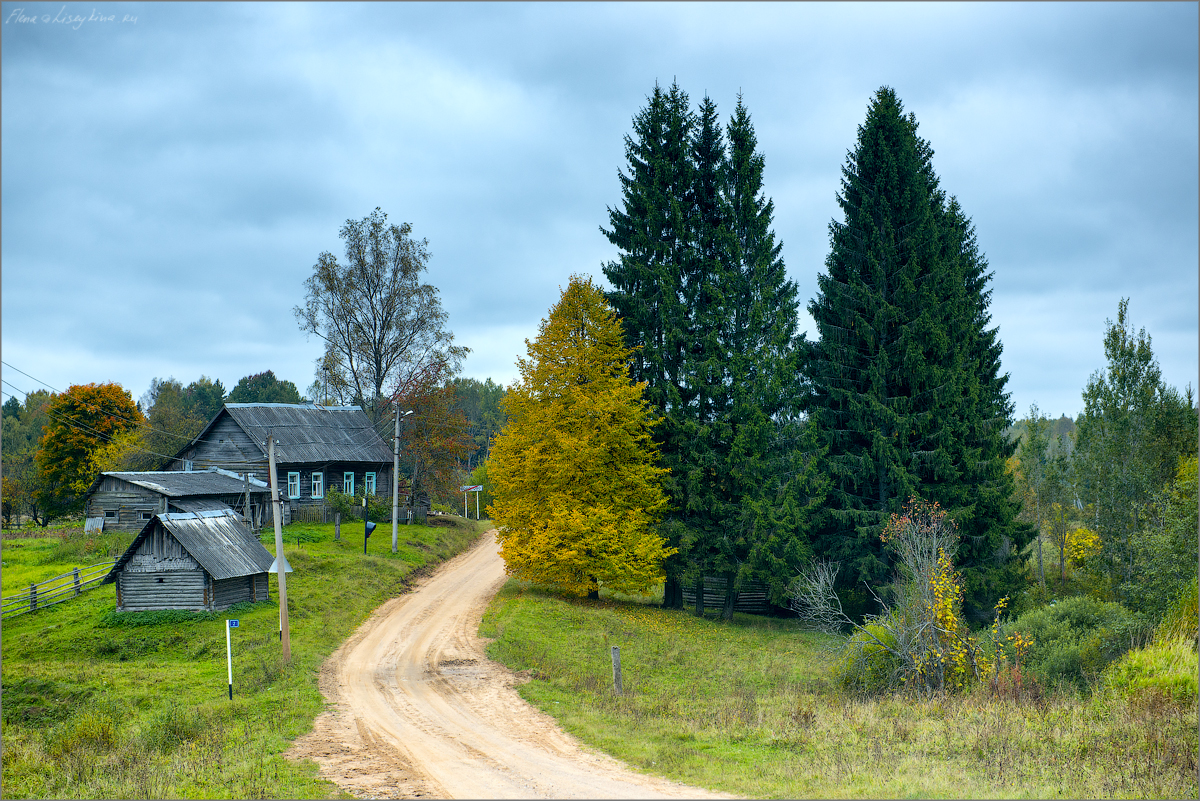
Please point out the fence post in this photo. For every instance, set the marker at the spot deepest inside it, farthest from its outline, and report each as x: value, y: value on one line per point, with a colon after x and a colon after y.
x: 616, y: 660
x: 76, y: 571
x: 32, y: 597
x: 337, y: 526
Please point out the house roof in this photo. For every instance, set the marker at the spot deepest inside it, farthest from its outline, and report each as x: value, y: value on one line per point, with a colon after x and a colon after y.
x: 185, y: 483
x: 217, y: 539
x: 307, y: 432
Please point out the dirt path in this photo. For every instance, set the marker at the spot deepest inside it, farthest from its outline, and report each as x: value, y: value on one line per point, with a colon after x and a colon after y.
x: 416, y: 709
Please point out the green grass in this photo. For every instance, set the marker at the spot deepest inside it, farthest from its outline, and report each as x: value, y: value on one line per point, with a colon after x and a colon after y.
x: 748, y: 707
x: 104, y: 705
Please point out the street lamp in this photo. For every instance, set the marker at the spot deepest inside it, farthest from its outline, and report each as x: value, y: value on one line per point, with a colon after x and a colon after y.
x: 396, y: 475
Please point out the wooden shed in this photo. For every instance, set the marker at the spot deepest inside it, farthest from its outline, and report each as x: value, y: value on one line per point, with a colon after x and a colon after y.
x: 199, y: 561
x: 126, y: 501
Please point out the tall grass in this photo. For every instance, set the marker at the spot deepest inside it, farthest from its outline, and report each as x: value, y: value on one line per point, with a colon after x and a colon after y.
x: 98, y: 704
x: 749, y: 708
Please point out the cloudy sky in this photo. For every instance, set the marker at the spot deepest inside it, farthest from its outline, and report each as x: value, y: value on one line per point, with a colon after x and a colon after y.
x: 171, y: 172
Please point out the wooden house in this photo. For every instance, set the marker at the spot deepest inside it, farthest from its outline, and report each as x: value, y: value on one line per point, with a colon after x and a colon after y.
x: 198, y: 561
x: 126, y: 501
x: 317, y: 447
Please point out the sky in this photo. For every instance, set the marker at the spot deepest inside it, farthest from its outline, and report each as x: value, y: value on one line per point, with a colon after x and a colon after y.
x: 170, y: 173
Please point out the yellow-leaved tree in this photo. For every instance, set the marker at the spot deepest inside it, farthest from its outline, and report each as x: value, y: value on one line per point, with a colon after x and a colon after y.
x: 576, y: 489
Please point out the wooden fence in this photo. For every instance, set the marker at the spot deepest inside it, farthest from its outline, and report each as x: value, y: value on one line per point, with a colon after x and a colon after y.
x: 752, y: 598
x: 55, y: 590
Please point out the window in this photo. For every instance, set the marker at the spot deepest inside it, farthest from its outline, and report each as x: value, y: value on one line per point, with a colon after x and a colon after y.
x: 147, y: 515
x: 348, y: 483
x: 110, y: 514
x: 318, y: 485
x: 293, y: 485
x: 369, y: 484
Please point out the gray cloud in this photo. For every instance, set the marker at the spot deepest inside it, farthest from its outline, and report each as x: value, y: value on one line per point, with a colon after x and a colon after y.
x: 167, y: 185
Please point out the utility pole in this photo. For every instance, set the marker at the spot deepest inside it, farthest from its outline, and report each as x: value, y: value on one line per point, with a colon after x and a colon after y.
x: 285, y: 634
x: 396, y: 476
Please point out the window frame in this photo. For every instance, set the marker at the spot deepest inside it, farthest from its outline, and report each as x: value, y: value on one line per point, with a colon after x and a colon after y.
x: 348, y: 483
x: 370, y: 486
x: 317, y: 485
x: 293, y: 480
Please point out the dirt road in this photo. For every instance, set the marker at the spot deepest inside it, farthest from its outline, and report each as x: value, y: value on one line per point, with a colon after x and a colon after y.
x: 416, y: 709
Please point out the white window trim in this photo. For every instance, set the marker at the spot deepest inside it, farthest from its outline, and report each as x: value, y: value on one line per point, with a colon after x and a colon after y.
x: 348, y: 483
x: 369, y: 484
x: 318, y: 485
x: 293, y: 481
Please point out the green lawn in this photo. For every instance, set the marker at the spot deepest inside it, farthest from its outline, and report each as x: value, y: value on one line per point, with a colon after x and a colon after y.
x: 101, y: 705
x: 748, y: 707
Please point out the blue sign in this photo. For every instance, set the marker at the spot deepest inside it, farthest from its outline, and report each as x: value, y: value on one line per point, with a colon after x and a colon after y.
x: 233, y: 624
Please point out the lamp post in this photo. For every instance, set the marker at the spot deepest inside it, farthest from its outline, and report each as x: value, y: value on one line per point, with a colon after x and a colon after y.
x: 396, y: 474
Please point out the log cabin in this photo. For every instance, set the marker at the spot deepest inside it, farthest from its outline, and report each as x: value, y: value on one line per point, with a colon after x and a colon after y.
x: 198, y: 561
x: 126, y: 501
x: 317, y: 447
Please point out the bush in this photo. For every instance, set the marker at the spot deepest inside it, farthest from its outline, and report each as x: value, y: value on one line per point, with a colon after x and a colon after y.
x: 1167, y: 669
x: 1180, y: 620
x: 1073, y: 640
x: 869, y: 665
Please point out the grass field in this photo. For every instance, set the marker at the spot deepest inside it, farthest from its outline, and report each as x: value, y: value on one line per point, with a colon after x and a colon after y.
x: 748, y: 707
x: 100, y: 705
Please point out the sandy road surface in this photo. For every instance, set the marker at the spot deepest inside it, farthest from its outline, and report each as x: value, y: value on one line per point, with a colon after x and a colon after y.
x: 416, y: 709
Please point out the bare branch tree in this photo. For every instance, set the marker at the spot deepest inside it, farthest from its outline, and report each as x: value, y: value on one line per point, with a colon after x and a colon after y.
x: 381, y: 325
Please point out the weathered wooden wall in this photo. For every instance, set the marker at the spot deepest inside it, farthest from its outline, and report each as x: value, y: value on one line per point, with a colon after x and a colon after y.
x: 178, y: 589
x: 129, y: 501
x: 226, y: 445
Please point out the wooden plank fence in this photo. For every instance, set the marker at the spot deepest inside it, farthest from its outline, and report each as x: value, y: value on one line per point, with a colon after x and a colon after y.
x: 752, y: 598
x: 55, y: 590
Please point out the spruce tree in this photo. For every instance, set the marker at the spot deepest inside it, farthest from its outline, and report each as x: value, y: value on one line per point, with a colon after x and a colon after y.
x: 702, y: 291
x: 906, y: 389
x: 652, y: 228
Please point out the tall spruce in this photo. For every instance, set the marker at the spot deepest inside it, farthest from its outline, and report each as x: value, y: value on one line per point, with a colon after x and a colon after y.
x: 702, y: 292
x: 652, y: 228
x: 906, y: 389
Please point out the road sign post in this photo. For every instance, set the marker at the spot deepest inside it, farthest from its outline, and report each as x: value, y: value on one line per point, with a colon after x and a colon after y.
x: 229, y: 624
x: 476, y: 488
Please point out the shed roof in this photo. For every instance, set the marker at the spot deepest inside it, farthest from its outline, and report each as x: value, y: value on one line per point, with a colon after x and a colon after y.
x: 217, y: 539
x: 184, y: 483
x: 307, y: 432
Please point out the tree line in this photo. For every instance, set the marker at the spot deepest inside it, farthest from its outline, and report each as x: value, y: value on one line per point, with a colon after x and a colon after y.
x: 779, y: 451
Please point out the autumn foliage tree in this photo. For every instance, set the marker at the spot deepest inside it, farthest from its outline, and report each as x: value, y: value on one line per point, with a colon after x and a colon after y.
x: 82, y: 421
x: 577, y: 492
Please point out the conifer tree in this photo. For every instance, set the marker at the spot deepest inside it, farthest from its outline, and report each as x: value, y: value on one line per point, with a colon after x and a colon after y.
x: 906, y: 389
x: 652, y: 228
x: 716, y: 333
x: 576, y: 489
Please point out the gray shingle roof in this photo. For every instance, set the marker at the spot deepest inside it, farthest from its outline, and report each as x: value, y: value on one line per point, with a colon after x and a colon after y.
x: 307, y: 433
x: 180, y: 483
x: 218, y: 540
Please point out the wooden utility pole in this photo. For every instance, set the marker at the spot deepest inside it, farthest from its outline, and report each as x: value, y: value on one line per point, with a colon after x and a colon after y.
x: 395, y: 478
x: 249, y: 519
x: 277, y: 512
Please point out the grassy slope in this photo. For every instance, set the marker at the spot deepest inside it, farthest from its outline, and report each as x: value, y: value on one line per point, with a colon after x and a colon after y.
x: 94, y: 707
x: 747, y: 708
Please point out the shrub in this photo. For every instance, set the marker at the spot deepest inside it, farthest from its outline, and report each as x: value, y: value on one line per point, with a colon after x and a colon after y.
x: 869, y: 665
x: 922, y: 630
x: 1180, y: 620
x: 1073, y: 640
x: 1165, y: 668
